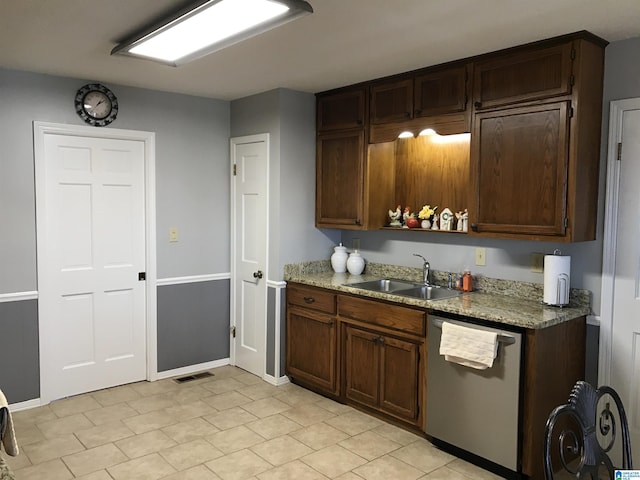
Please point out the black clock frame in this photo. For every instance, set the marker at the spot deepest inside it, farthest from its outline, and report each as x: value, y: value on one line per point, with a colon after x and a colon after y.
x: 81, y: 111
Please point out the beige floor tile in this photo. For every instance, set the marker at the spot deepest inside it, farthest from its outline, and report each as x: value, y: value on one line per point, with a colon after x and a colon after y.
x: 273, y: 426
x: 249, y: 379
x: 151, y: 403
x: 52, y: 470
x: 281, y: 450
x: 188, y: 393
x: 349, y: 476
x: 258, y: 391
x: 99, y: 475
x: 149, y: 421
x: 230, y: 418
x: 50, y: 449
x: 227, y: 400
x: 196, y: 473
x: 240, y: 465
x: 33, y: 415
x: 354, y: 422
x: 387, y: 468
x: 17, y: 462
x: 148, y: 389
x: 369, y: 445
x: 397, y: 434
x: 266, y: 407
x: 234, y: 439
x: 226, y: 371
x: 334, y: 407
x: 190, y: 430
x: 445, y: 473
x: 54, y: 428
x: 223, y: 385
x: 105, y: 433
x: 423, y: 455
x: 146, y: 443
x: 111, y: 413
x: 151, y: 467
x: 28, y: 433
x: 187, y: 411
x: 295, y: 470
x: 308, y: 414
x: 190, y: 454
x: 333, y: 461
x: 74, y: 405
x: 319, y: 436
x: 298, y: 396
x: 94, y: 459
x: 115, y: 395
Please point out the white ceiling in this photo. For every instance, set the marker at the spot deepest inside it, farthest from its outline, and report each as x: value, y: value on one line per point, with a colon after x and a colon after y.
x: 342, y: 42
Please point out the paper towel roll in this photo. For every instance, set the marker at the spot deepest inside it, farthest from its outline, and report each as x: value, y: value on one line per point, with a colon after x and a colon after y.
x: 557, y: 279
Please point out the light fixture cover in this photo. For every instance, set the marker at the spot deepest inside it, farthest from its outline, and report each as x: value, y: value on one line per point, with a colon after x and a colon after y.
x: 207, y: 26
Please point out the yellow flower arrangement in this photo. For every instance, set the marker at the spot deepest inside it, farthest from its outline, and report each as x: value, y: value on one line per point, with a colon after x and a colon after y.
x: 427, y: 212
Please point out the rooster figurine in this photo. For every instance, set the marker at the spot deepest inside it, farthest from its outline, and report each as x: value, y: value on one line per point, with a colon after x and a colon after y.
x: 395, y: 217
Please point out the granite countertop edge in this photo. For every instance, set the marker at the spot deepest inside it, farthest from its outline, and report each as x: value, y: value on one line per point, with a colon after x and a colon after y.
x: 508, y: 309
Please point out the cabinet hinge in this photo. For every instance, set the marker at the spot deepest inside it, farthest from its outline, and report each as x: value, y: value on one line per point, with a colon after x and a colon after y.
x: 570, y: 112
x: 566, y: 222
x: 573, y: 54
x: 233, y: 331
x: 619, y: 150
x: 572, y: 80
x: 235, y: 169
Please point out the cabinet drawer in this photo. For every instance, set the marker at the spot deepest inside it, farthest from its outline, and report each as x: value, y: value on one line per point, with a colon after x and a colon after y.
x: 314, y: 298
x: 404, y: 319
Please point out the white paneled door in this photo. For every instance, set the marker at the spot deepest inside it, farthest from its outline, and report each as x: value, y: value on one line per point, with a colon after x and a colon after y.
x: 621, y: 287
x: 91, y: 237
x: 249, y: 292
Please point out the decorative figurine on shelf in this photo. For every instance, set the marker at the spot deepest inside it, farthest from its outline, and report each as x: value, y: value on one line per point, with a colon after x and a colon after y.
x: 426, y: 215
x: 412, y: 221
x: 434, y: 225
x: 405, y: 216
x: 395, y: 217
x: 463, y: 219
x: 446, y: 219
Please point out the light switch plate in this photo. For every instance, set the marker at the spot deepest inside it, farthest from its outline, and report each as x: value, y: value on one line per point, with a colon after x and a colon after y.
x: 173, y: 234
x: 537, y: 262
x: 481, y: 256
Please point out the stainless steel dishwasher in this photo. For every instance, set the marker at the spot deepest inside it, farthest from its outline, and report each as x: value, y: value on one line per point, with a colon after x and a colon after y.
x: 472, y: 411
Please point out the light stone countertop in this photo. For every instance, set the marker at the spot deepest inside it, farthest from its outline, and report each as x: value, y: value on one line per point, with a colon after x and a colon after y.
x: 517, y: 305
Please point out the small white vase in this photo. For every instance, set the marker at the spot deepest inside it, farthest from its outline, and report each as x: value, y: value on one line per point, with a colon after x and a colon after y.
x: 355, y: 263
x: 339, y: 259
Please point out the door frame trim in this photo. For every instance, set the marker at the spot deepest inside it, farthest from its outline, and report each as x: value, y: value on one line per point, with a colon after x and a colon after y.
x: 40, y: 129
x: 260, y: 137
x: 616, y: 114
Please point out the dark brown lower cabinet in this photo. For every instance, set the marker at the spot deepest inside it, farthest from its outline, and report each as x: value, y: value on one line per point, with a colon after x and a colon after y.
x: 311, y: 349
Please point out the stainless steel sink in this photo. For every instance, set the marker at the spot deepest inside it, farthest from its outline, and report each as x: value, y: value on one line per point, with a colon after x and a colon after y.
x: 385, y: 285
x: 424, y: 292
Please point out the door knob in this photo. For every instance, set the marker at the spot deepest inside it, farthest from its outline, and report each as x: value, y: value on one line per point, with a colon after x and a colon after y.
x: 257, y: 274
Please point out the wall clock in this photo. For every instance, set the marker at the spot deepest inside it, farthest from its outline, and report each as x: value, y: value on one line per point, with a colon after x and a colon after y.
x: 96, y: 104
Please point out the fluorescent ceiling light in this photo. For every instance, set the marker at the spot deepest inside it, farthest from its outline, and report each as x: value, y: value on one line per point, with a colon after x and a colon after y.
x: 208, y: 26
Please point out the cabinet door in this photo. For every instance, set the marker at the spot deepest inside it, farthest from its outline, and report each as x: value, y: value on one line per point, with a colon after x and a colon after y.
x: 441, y: 92
x: 339, y: 179
x: 523, y: 76
x: 361, y: 365
x: 341, y: 110
x: 521, y: 160
x: 399, y: 377
x: 391, y: 102
x: 311, y: 348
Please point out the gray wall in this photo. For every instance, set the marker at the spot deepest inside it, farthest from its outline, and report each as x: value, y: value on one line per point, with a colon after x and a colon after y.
x: 192, y: 194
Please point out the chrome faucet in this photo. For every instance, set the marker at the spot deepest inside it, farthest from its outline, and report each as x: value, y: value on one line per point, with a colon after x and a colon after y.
x: 425, y: 269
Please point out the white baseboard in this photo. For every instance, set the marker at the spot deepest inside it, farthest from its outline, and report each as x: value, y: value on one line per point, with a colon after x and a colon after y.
x: 191, y: 369
x: 192, y: 279
x: 276, y: 381
x: 18, y: 296
x: 16, y: 407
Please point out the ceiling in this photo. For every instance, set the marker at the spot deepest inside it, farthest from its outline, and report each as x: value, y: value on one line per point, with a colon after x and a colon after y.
x: 342, y: 42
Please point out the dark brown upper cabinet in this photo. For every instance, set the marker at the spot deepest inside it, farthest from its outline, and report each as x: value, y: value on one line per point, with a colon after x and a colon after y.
x: 440, y: 92
x: 341, y: 110
x: 391, y: 101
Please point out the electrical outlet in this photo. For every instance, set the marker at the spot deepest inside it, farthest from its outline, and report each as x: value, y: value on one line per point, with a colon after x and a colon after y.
x: 481, y: 256
x: 355, y: 243
x: 173, y: 234
x: 537, y: 262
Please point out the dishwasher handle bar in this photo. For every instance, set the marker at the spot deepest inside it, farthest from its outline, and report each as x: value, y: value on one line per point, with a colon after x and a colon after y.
x: 502, y: 338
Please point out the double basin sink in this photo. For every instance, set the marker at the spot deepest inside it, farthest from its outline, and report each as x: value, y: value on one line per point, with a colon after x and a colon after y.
x: 406, y: 289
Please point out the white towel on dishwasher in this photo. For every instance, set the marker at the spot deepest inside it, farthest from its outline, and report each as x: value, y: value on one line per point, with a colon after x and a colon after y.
x: 9, y: 437
x: 470, y: 347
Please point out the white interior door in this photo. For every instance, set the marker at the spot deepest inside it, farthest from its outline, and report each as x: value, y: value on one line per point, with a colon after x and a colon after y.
x: 91, y: 248
x: 249, y: 156
x: 624, y: 287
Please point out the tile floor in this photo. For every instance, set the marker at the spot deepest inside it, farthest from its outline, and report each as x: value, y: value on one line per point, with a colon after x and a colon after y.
x: 232, y: 426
